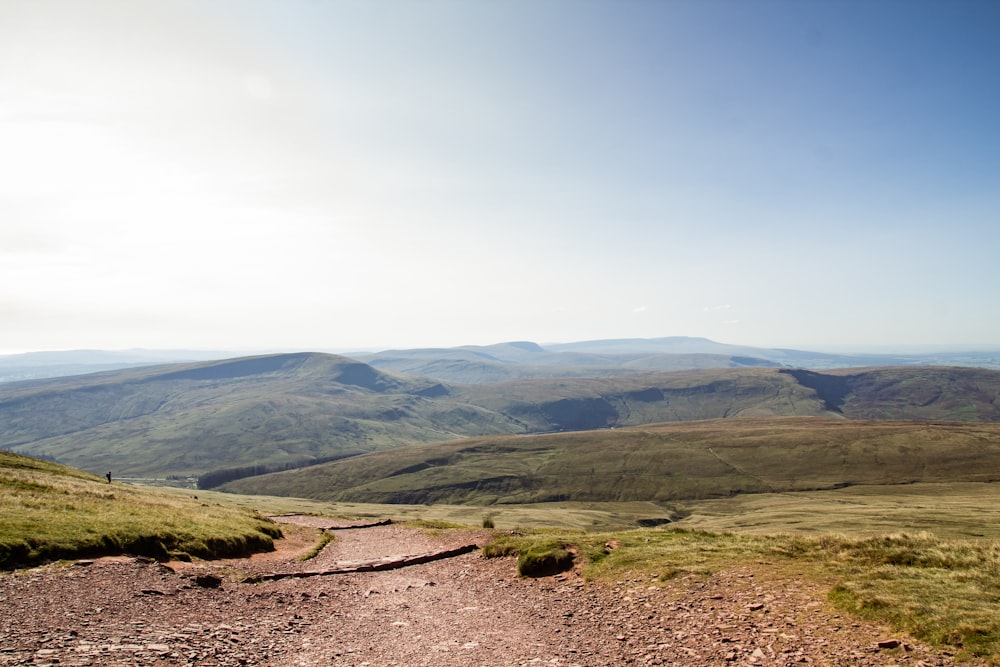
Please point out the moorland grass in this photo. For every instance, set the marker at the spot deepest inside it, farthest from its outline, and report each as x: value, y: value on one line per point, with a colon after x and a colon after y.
x: 660, y: 463
x: 52, y: 512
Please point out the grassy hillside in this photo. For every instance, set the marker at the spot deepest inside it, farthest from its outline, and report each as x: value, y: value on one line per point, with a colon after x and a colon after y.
x: 278, y: 410
x: 188, y: 419
x: 932, y: 393
x: 660, y: 463
x: 51, y: 512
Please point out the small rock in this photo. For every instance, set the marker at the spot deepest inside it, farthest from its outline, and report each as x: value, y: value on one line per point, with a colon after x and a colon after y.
x: 889, y: 643
x: 755, y: 606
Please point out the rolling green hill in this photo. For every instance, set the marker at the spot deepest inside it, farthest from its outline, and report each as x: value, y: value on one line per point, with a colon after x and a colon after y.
x: 938, y: 393
x: 659, y: 463
x: 191, y: 418
x: 292, y: 409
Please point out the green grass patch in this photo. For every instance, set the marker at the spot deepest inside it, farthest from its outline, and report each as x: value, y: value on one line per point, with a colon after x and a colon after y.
x: 325, y: 538
x: 51, y: 512
x: 942, y: 591
x: 538, y: 554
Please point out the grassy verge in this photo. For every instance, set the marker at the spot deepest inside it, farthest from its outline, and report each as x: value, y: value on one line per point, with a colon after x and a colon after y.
x: 325, y: 538
x: 945, y: 592
x: 51, y: 512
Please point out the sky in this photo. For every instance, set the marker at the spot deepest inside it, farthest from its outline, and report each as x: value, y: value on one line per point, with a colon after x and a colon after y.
x: 368, y: 174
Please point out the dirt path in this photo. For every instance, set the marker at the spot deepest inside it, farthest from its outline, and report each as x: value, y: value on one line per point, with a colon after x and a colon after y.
x: 460, y: 611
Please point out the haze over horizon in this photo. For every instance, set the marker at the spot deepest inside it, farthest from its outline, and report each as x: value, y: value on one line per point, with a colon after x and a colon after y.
x: 249, y: 175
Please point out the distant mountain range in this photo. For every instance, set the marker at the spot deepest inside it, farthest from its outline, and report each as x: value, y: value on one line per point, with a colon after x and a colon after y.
x: 473, y: 364
x: 256, y: 414
x: 604, y: 358
x: 35, y: 365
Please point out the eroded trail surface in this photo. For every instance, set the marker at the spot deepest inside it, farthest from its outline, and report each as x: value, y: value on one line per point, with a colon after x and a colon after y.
x: 464, y: 610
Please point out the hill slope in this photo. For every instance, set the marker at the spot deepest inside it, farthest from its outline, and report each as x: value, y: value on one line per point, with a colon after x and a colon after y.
x: 190, y: 418
x: 660, y: 463
x: 51, y: 511
x: 282, y: 410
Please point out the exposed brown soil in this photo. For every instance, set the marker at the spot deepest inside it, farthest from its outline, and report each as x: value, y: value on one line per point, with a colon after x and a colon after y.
x: 465, y: 610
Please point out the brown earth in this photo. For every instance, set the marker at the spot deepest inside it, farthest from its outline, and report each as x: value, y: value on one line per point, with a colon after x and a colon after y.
x: 465, y: 610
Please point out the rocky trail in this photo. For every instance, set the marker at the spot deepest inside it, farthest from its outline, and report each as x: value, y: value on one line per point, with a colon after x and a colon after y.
x: 460, y: 610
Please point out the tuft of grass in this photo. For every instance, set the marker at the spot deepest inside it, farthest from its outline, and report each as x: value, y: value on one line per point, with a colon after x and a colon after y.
x: 52, y: 512
x: 539, y: 554
x: 325, y: 538
x: 545, y: 560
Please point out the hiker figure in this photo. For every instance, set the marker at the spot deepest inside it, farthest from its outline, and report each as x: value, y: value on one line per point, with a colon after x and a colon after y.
x: 109, y: 477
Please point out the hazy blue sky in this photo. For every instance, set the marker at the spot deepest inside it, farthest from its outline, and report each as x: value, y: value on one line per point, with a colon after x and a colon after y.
x: 370, y: 174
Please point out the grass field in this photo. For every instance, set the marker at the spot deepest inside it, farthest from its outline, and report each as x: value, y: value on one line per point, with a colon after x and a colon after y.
x: 961, y: 510
x: 946, y: 510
